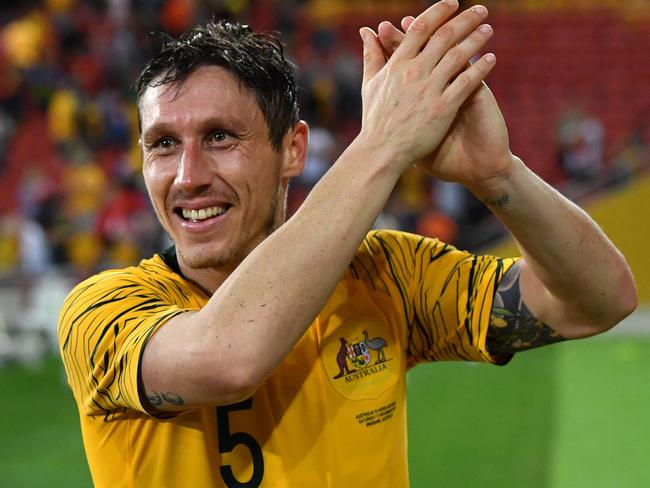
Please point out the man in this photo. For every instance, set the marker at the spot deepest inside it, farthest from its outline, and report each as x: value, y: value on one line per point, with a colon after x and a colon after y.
x: 259, y: 352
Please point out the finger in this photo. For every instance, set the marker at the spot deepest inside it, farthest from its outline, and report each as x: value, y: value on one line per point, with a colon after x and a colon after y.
x: 390, y: 37
x: 423, y: 26
x: 469, y: 80
x: 406, y: 22
x: 373, y: 54
x: 457, y: 59
x: 452, y: 33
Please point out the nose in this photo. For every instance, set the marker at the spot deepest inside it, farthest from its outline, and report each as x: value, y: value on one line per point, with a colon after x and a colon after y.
x: 193, y: 173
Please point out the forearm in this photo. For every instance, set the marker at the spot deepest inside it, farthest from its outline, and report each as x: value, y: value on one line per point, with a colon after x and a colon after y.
x: 584, y: 276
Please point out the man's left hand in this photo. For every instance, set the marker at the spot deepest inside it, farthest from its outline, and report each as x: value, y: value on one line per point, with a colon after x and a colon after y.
x: 476, y: 147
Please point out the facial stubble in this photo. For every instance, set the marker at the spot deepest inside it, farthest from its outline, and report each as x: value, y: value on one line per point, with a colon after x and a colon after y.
x: 230, y: 257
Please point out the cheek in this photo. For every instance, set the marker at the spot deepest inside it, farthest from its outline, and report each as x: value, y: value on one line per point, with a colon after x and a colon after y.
x: 263, y: 188
x: 156, y: 185
x: 152, y: 183
x: 158, y: 177
x: 254, y: 173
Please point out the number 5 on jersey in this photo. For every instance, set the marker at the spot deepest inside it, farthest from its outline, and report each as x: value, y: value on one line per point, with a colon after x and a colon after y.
x: 229, y: 440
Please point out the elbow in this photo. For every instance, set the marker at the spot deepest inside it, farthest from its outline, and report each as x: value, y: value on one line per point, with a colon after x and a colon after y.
x: 231, y: 384
x: 622, y: 303
x: 240, y: 385
x: 629, y: 298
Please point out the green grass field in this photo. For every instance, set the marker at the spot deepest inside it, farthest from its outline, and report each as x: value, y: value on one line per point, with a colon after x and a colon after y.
x: 569, y: 416
x: 572, y: 415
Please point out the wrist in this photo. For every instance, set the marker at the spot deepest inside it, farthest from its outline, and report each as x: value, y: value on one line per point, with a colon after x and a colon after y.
x: 496, y: 190
x: 380, y: 156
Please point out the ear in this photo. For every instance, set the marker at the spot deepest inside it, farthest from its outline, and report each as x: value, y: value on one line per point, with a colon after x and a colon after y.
x: 295, y: 152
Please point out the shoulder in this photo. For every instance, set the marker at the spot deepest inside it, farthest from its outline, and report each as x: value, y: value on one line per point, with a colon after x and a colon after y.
x: 392, y: 242
x: 387, y: 257
x: 390, y: 247
x: 151, y: 281
x: 148, y: 273
x: 384, y: 244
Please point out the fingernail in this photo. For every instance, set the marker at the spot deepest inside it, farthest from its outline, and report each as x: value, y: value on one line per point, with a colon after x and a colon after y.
x: 479, y: 10
x: 490, y: 58
x: 362, y: 33
x: 451, y: 3
x: 485, y: 28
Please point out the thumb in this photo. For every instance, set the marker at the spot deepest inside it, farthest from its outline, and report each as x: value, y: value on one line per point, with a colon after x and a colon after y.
x: 373, y: 54
x: 390, y: 37
x: 407, y: 21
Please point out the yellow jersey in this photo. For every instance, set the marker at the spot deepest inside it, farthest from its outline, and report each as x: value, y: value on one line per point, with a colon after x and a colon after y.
x: 333, y: 413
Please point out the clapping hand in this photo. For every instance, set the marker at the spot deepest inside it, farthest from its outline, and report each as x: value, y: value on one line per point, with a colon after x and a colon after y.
x: 475, y: 147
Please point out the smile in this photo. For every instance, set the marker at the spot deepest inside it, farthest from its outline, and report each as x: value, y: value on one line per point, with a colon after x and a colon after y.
x: 201, y: 214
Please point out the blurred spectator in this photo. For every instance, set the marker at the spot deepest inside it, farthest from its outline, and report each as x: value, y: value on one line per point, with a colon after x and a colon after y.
x: 581, y: 139
x: 630, y: 158
x: 386, y: 220
x: 435, y: 223
x: 85, y: 183
x: 84, y: 250
x: 412, y: 198
x: 62, y: 115
x: 23, y: 40
x: 320, y: 156
x: 9, y: 247
x: 451, y: 199
x: 7, y: 128
x: 24, y: 247
x: 125, y: 224
x: 35, y: 258
x: 177, y: 16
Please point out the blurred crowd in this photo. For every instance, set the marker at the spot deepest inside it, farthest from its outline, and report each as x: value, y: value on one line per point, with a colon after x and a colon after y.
x: 71, y: 192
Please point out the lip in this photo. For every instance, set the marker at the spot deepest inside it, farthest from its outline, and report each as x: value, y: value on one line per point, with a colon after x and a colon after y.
x: 198, y: 204
x: 203, y: 226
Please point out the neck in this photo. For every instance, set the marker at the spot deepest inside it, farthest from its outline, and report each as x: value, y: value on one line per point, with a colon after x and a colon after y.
x: 208, y: 279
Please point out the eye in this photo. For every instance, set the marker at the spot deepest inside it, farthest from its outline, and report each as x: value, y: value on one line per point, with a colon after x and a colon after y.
x: 164, y: 143
x: 219, y: 136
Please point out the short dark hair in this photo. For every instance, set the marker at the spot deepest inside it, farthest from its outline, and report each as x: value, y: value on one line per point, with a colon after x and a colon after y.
x: 257, y: 60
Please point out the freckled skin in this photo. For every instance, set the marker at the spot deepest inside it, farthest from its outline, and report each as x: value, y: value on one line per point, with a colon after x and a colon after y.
x: 240, y: 168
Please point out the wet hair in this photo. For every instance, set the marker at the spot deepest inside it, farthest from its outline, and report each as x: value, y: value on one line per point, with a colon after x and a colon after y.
x: 257, y: 60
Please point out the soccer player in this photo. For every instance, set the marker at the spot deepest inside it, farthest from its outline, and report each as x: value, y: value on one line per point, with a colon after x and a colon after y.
x: 259, y: 352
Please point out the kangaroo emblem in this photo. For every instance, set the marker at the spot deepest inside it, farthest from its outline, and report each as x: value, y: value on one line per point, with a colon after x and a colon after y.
x: 341, y: 359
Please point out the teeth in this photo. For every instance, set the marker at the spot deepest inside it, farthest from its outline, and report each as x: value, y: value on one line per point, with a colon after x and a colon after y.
x: 203, y: 213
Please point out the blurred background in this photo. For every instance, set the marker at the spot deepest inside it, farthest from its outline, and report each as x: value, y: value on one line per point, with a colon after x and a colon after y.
x: 573, y: 82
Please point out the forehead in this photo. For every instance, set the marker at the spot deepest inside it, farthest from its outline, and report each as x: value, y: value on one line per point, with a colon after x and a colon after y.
x: 208, y: 92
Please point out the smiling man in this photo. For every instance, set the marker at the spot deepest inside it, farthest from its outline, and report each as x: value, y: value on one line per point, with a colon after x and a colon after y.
x: 213, y: 122
x: 259, y: 352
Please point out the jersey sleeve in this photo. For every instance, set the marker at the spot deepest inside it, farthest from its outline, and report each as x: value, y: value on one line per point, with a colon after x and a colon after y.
x: 445, y: 295
x: 104, y: 326
x: 453, y: 293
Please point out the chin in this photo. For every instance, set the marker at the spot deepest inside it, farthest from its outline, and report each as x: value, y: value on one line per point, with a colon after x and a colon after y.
x: 229, y: 254
x: 205, y: 258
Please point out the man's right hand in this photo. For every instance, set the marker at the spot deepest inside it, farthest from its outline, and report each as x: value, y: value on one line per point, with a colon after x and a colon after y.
x: 411, y: 100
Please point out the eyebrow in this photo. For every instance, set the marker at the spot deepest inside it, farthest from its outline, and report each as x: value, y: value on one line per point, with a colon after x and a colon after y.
x: 156, y: 130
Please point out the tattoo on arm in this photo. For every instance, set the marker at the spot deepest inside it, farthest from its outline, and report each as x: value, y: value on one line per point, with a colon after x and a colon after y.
x: 512, y: 326
x: 500, y: 201
x: 157, y: 399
